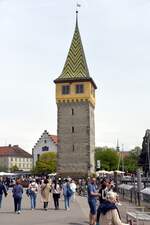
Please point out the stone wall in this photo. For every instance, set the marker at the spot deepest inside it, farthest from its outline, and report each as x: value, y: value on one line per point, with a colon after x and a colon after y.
x: 76, y: 133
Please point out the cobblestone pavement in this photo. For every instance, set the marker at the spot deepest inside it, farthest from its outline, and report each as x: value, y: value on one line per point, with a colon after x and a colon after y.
x: 78, y: 215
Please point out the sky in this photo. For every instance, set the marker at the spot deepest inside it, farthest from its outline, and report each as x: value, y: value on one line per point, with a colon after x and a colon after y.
x: 35, y: 36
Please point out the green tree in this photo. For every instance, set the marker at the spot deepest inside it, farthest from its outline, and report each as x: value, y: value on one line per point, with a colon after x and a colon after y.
x: 46, y: 163
x: 108, y: 157
x: 14, y: 168
x: 131, y: 161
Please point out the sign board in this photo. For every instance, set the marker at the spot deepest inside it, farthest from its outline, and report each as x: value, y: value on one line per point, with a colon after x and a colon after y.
x: 98, y: 164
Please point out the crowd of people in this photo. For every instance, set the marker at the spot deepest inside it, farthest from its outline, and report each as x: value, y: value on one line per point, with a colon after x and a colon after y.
x: 102, y: 199
x: 107, y: 212
x: 43, y: 186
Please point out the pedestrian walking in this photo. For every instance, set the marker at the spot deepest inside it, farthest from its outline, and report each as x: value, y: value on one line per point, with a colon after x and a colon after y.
x: 17, y: 195
x: 92, y: 195
x: 56, y: 193
x: 67, y: 192
x: 45, y: 192
x: 33, y: 190
x: 102, y: 198
x: 73, y: 187
x: 3, y: 190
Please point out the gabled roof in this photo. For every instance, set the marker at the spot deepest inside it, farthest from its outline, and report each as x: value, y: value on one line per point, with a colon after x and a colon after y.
x: 53, y: 138
x: 14, y: 151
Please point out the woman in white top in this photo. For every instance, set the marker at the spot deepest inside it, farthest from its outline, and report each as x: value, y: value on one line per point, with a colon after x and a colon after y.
x: 56, y: 193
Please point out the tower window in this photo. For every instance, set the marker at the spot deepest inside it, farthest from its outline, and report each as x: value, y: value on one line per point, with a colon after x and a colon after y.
x: 72, y: 129
x: 65, y: 89
x: 79, y: 88
x: 73, y: 148
x: 72, y: 111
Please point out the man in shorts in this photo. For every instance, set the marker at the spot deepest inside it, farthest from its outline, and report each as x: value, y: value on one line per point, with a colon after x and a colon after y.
x: 92, y: 195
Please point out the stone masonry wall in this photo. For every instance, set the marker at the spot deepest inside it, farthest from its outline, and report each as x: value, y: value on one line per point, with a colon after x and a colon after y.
x: 76, y: 133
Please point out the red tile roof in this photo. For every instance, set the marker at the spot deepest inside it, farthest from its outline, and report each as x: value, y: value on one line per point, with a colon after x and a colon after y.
x: 54, y: 139
x: 14, y: 151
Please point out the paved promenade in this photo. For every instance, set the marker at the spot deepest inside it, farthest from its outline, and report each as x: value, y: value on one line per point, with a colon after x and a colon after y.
x: 78, y: 215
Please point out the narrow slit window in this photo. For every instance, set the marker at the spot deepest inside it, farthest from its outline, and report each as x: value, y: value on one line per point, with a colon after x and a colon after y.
x: 72, y: 111
x: 72, y: 129
x: 73, y: 148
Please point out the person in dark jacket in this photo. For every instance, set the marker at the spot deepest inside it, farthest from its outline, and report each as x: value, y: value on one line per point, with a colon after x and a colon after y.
x: 3, y: 190
x: 17, y: 195
x: 109, y: 213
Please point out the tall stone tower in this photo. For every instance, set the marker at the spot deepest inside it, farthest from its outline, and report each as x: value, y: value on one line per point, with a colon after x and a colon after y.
x: 75, y: 98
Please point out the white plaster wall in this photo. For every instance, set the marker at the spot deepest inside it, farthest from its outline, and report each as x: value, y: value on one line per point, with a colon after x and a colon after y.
x: 41, y: 143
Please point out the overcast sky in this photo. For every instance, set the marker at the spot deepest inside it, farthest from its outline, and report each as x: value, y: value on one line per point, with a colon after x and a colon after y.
x: 35, y: 36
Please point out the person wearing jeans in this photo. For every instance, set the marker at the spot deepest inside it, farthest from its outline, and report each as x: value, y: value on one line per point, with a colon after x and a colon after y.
x: 67, y: 194
x: 17, y: 195
x: 33, y: 189
x: 33, y: 199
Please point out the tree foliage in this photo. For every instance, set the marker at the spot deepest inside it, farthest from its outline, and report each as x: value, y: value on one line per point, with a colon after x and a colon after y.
x: 108, y: 157
x: 46, y: 163
x: 14, y: 168
x: 131, y: 161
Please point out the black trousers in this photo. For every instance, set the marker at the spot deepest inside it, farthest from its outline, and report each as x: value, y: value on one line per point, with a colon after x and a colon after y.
x: 17, y: 204
x: 56, y: 200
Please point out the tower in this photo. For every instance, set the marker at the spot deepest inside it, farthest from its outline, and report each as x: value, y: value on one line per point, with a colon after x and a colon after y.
x: 75, y: 98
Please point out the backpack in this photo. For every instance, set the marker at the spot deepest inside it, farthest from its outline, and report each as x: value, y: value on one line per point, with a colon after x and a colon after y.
x: 69, y: 191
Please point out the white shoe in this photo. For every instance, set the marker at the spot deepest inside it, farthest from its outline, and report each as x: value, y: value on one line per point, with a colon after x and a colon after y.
x: 19, y: 212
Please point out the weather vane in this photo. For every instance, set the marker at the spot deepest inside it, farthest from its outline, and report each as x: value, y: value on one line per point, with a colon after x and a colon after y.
x: 77, y: 7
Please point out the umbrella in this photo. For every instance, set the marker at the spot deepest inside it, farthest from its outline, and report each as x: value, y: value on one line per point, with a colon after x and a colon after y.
x: 6, y: 174
x: 119, y: 172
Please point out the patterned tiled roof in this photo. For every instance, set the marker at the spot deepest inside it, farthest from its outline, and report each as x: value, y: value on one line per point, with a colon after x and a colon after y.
x: 14, y: 151
x: 75, y: 66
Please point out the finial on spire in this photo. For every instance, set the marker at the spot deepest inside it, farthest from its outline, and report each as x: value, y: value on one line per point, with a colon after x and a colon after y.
x: 77, y: 11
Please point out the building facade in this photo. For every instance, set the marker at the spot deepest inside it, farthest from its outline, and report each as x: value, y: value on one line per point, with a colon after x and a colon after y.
x: 11, y: 156
x: 46, y: 143
x: 75, y: 98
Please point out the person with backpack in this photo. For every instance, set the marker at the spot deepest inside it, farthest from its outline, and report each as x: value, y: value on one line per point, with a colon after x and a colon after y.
x: 17, y: 195
x: 3, y: 190
x: 67, y: 192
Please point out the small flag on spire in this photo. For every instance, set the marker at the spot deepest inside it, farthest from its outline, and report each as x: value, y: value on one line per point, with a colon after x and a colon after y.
x: 78, y: 5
